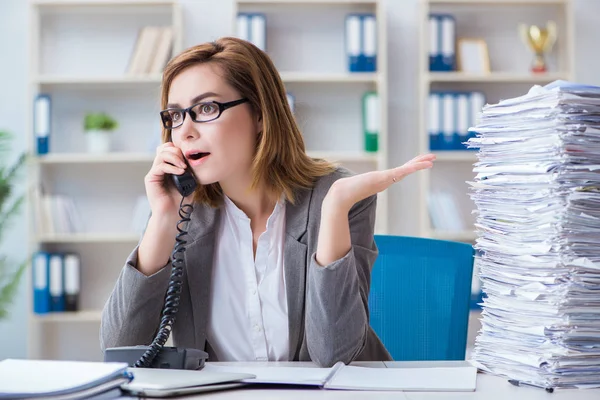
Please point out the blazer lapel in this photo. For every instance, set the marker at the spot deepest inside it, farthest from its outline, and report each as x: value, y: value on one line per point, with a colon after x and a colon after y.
x: 295, y: 259
x: 199, y: 265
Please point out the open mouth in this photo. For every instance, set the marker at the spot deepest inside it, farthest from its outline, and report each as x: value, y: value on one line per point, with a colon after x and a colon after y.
x: 197, y: 156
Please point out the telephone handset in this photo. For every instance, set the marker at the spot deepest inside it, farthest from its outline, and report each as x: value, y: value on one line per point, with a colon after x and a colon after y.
x: 185, y: 183
x: 156, y: 355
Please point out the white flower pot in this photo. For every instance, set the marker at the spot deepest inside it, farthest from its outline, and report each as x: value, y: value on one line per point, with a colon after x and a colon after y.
x: 98, y: 141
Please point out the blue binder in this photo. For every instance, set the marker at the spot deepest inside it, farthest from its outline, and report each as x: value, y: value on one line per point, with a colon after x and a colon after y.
x: 42, y: 123
x: 252, y: 27
x: 41, y: 288
x: 442, y: 42
x: 57, y: 283
x: 353, y: 42
x: 451, y: 114
x: 369, y: 43
x: 361, y: 42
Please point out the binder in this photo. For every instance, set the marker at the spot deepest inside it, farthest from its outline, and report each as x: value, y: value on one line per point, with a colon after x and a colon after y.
x: 448, y: 121
x: 252, y: 27
x: 243, y: 26
x: 442, y: 42
x: 450, y: 115
x: 434, y: 43
x: 57, y: 291
x: 434, y: 125
x: 448, y: 43
x: 72, y: 274
x: 353, y: 42
x: 41, y: 288
x: 291, y: 101
x: 371, y: 124
x: 369, y: 36
x: 42, y: 123
x: 463, y: 122
x: 258, y: 31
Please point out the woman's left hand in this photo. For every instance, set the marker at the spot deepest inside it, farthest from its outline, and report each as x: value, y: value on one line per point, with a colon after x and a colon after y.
x: 345, y: 192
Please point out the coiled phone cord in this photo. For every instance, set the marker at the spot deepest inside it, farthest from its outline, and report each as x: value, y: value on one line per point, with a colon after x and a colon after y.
x: 173, y: 294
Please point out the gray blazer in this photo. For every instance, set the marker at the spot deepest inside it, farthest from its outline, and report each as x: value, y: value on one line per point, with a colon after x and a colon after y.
x: 327, y: 306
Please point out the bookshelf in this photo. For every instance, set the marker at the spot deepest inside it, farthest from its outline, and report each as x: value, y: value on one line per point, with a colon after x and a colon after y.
x: 80, y: 52
x: 495, y: 21
x: 311, y: 60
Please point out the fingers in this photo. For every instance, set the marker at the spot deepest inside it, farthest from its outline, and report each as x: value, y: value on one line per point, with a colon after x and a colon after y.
x: 169, y: 160
x: 398, y: 173
x: 423, y: 157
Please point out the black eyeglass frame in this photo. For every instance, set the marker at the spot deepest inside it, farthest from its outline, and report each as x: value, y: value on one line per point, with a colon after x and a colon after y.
x: 184, y: 111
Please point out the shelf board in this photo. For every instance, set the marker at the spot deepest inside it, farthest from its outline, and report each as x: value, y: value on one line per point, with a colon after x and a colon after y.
x: 284, y: 2
x: 499, y: 77
x: 345, y: 156
x: 458, y: 155
x: 69, y: 316
x: 96, y: 3
x: 73, y: 238
x: 89, y: 158
x: 499, y: 2
x: 463, y: 236
x: 97, y: 80
x: 344, y: 77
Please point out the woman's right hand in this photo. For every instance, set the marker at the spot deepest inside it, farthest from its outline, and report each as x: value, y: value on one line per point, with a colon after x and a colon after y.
x: 162, y: 195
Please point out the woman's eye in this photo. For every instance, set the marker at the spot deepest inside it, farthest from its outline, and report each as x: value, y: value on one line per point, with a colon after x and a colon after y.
x: 175, y: 115
x: 208, y: 108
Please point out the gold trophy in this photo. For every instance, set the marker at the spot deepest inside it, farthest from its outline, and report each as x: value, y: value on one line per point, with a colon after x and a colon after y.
x: 540, y: 40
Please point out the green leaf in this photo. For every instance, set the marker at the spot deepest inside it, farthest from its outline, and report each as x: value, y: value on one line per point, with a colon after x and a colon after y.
x: 11, y: 212
x: 8, y: 286
x: 99, y: 121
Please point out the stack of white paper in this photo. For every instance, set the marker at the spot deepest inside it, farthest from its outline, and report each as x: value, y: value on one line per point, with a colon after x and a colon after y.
x: 537, y: 194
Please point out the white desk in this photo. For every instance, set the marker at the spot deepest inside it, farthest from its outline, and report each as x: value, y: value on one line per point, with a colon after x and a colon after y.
x: 488, y: 388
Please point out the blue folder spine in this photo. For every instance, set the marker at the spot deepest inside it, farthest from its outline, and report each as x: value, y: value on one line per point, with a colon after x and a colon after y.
x: 41, y: 288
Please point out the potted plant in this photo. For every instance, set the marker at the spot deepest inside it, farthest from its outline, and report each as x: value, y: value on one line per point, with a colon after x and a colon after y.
x: 98, y: 128
x: 10, y: 274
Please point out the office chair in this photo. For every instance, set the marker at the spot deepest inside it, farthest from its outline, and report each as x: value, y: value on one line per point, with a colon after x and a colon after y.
x: 420, y: 297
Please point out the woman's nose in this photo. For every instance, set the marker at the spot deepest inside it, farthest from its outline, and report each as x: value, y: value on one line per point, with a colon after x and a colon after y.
x: 189, y: 129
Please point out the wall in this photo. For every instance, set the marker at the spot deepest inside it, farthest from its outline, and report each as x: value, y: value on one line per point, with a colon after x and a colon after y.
x: 204, y: 21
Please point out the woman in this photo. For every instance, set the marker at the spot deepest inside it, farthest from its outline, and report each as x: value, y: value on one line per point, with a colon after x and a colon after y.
x: 280, y: 246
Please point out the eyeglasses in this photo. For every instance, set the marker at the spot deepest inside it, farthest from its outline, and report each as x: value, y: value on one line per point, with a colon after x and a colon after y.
x: 200, y: 112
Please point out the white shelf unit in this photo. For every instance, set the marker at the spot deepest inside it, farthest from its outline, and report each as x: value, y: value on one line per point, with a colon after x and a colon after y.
x: 79, y: 52
x: 306, y: 41
x: 495, y: 21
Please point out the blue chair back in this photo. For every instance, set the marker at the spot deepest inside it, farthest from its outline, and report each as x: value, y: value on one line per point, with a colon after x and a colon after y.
x: 420, y: 297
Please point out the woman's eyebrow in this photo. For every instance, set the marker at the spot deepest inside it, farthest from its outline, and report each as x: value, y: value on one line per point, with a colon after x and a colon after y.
x: 195, y: 99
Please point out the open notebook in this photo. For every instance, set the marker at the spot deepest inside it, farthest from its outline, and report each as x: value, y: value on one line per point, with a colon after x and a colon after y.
x: 460, y: 378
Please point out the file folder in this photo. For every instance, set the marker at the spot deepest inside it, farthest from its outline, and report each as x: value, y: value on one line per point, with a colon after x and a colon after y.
x: 434, y: 43
x: 252, y: 27
x: 448, y: 121
x: 463, y: 122
x: 291, y: 101
x: 442, y: 42
x: 57, y: 291
x: 434, y: 125
x: 41, y: 289
x: 42, y: 123
x: 258, y: 31
x: 371, y: 123
x: 243, y: 27
x: 72, y: 272
x: 369, y: 36
x: 353, y: 42
x: 448, y: 42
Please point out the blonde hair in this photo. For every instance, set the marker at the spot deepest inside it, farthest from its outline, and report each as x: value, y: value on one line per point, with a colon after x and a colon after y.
x: 280, y: 159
